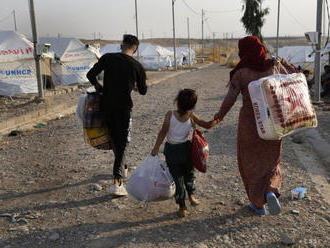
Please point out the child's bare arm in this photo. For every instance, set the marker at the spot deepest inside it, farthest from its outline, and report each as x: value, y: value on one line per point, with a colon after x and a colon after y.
x: 162, y: 134
x: 202, y: 123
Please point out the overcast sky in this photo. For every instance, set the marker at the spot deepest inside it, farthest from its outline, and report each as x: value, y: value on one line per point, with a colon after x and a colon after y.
x: 112, y: 18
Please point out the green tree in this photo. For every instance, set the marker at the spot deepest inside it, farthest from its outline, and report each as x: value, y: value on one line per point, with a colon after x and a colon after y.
x: 253, y: 18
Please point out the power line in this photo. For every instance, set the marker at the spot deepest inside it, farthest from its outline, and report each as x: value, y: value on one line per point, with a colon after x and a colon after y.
x: 208, y: 25
x: 290, y: 13
x: 3, y: 19
x: 188, y: 6
x: 222, y: 11
x: 210, y: 11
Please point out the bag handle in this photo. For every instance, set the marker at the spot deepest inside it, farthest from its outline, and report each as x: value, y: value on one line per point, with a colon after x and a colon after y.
x: 193, y: 123
x: 282, y: 66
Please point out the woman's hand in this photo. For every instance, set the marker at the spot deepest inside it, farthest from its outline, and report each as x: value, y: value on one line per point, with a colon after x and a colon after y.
x: 217, y: 117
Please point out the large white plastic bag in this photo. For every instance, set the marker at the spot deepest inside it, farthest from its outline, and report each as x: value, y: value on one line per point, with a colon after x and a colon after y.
x: 151, y: 181
x: 281, y: 105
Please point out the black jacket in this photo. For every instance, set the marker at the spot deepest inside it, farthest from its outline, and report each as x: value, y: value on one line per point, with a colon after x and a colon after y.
x: 121, y: 71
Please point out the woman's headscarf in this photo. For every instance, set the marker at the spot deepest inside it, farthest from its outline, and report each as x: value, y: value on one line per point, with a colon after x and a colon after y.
x: 252, y: 55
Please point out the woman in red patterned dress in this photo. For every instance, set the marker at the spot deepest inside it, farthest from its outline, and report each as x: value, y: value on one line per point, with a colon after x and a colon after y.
x: 258, y: 159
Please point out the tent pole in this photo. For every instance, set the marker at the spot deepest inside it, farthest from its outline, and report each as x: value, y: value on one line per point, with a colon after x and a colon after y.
x: 174, y: 41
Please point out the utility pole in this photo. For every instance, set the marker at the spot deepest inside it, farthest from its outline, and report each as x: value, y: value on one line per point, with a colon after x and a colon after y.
x: 136, y: 25
x: 14, y: 16
x: 174, y: 41
x: 278, y: 26
x: 213, y: 47
x: 317, y: 62
x: 188, y: 42
x: 202, y: 32
x: 36, y: 51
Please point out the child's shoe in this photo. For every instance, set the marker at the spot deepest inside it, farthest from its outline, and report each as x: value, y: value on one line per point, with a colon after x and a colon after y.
x: 182, y: 212
x: 193, y: 201
x: 273, y: 203
x: 258, y: 211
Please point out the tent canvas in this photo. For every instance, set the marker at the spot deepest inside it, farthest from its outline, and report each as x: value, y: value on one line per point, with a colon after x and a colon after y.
x: 182, y: 54
x: 302, y: 55
x: 155, y: 57
x: 73, y: 60
x: 110, y: 48
x: 17, y: 66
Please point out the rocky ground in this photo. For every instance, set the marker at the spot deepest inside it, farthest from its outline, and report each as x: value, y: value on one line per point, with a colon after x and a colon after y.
x: 54, y: 189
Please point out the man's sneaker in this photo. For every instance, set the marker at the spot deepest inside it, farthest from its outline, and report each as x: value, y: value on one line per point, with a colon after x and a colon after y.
x: 182, y: 212
x: 193, y: 201
x: 125, y: 172
x: 273, y: 204
x: 118, y: 190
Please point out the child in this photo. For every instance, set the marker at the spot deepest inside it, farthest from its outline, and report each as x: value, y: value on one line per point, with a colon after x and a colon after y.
x: 177, y: 151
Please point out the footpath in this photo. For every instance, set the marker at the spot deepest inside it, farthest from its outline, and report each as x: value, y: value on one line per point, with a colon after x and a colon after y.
x: 26, y: 112
x: 54, y: 188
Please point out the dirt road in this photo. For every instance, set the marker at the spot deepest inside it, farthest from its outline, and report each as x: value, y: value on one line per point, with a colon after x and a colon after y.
x: 54, y: 189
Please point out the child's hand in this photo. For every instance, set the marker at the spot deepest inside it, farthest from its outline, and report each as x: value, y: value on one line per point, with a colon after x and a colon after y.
x: 154, y: 152
x: 214, y: 122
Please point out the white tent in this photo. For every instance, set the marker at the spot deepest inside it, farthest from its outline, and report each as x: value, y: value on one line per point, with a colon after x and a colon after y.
x: 182, y: 55
x: 110, y: 48
x: 155, y: 57
x: 17, y: 65
x: 302, y: 55
x: 297, y: 55
x: 73, y: 60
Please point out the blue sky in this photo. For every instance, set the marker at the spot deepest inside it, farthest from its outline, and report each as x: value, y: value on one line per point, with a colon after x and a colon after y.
x: 112, y: 18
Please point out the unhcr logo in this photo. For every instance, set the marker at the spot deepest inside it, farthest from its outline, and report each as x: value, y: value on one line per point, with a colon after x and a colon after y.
x: 15, y: 72
x: 78, y: 68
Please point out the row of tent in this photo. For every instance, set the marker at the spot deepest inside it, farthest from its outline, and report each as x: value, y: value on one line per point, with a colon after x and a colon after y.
x: 303, y: 56
x: 154, y: 57
x: 67, y: 61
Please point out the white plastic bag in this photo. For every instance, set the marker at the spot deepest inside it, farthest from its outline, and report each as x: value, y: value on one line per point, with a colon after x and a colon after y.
x: 281, y: 105
x: 151, y: 181
x: 81, y: 108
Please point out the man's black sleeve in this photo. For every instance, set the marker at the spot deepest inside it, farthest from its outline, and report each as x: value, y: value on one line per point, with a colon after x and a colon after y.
x: 96, y: 70
x: 141, y: 81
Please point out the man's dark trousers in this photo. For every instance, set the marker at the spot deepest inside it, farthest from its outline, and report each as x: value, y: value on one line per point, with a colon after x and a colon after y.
x: 118, y: 124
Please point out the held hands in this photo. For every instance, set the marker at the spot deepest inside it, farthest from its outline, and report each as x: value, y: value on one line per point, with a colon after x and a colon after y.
x: 217, y: 117
x: 213, y: 122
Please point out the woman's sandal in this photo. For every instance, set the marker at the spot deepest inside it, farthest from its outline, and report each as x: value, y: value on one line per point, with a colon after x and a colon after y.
x: 273, y: 204
x: 258, y: 211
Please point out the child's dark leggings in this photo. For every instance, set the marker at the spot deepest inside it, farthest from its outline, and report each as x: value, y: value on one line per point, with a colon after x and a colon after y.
x: 178, y: 159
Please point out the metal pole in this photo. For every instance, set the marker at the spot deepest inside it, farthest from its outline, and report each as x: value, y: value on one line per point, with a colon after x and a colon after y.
x: 278, y: 26
x: 213, y: 47
x: 202, y: 32
x: 14, y: 16
x: 174, y: 41
x: 136, y: 25
x: 317, y: 62
x: 36, y: 48
x: 189, y: 54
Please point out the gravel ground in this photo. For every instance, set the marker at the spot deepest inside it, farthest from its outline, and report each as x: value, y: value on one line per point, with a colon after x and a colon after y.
x: 54, y: 189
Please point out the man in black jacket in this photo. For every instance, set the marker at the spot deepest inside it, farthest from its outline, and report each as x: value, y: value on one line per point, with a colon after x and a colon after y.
x: 121, y: 73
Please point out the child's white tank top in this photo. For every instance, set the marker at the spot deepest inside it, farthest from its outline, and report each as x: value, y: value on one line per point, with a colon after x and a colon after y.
x: 178, y: 131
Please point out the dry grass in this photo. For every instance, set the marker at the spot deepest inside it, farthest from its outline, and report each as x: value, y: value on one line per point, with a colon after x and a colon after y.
x: 220, y: 54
